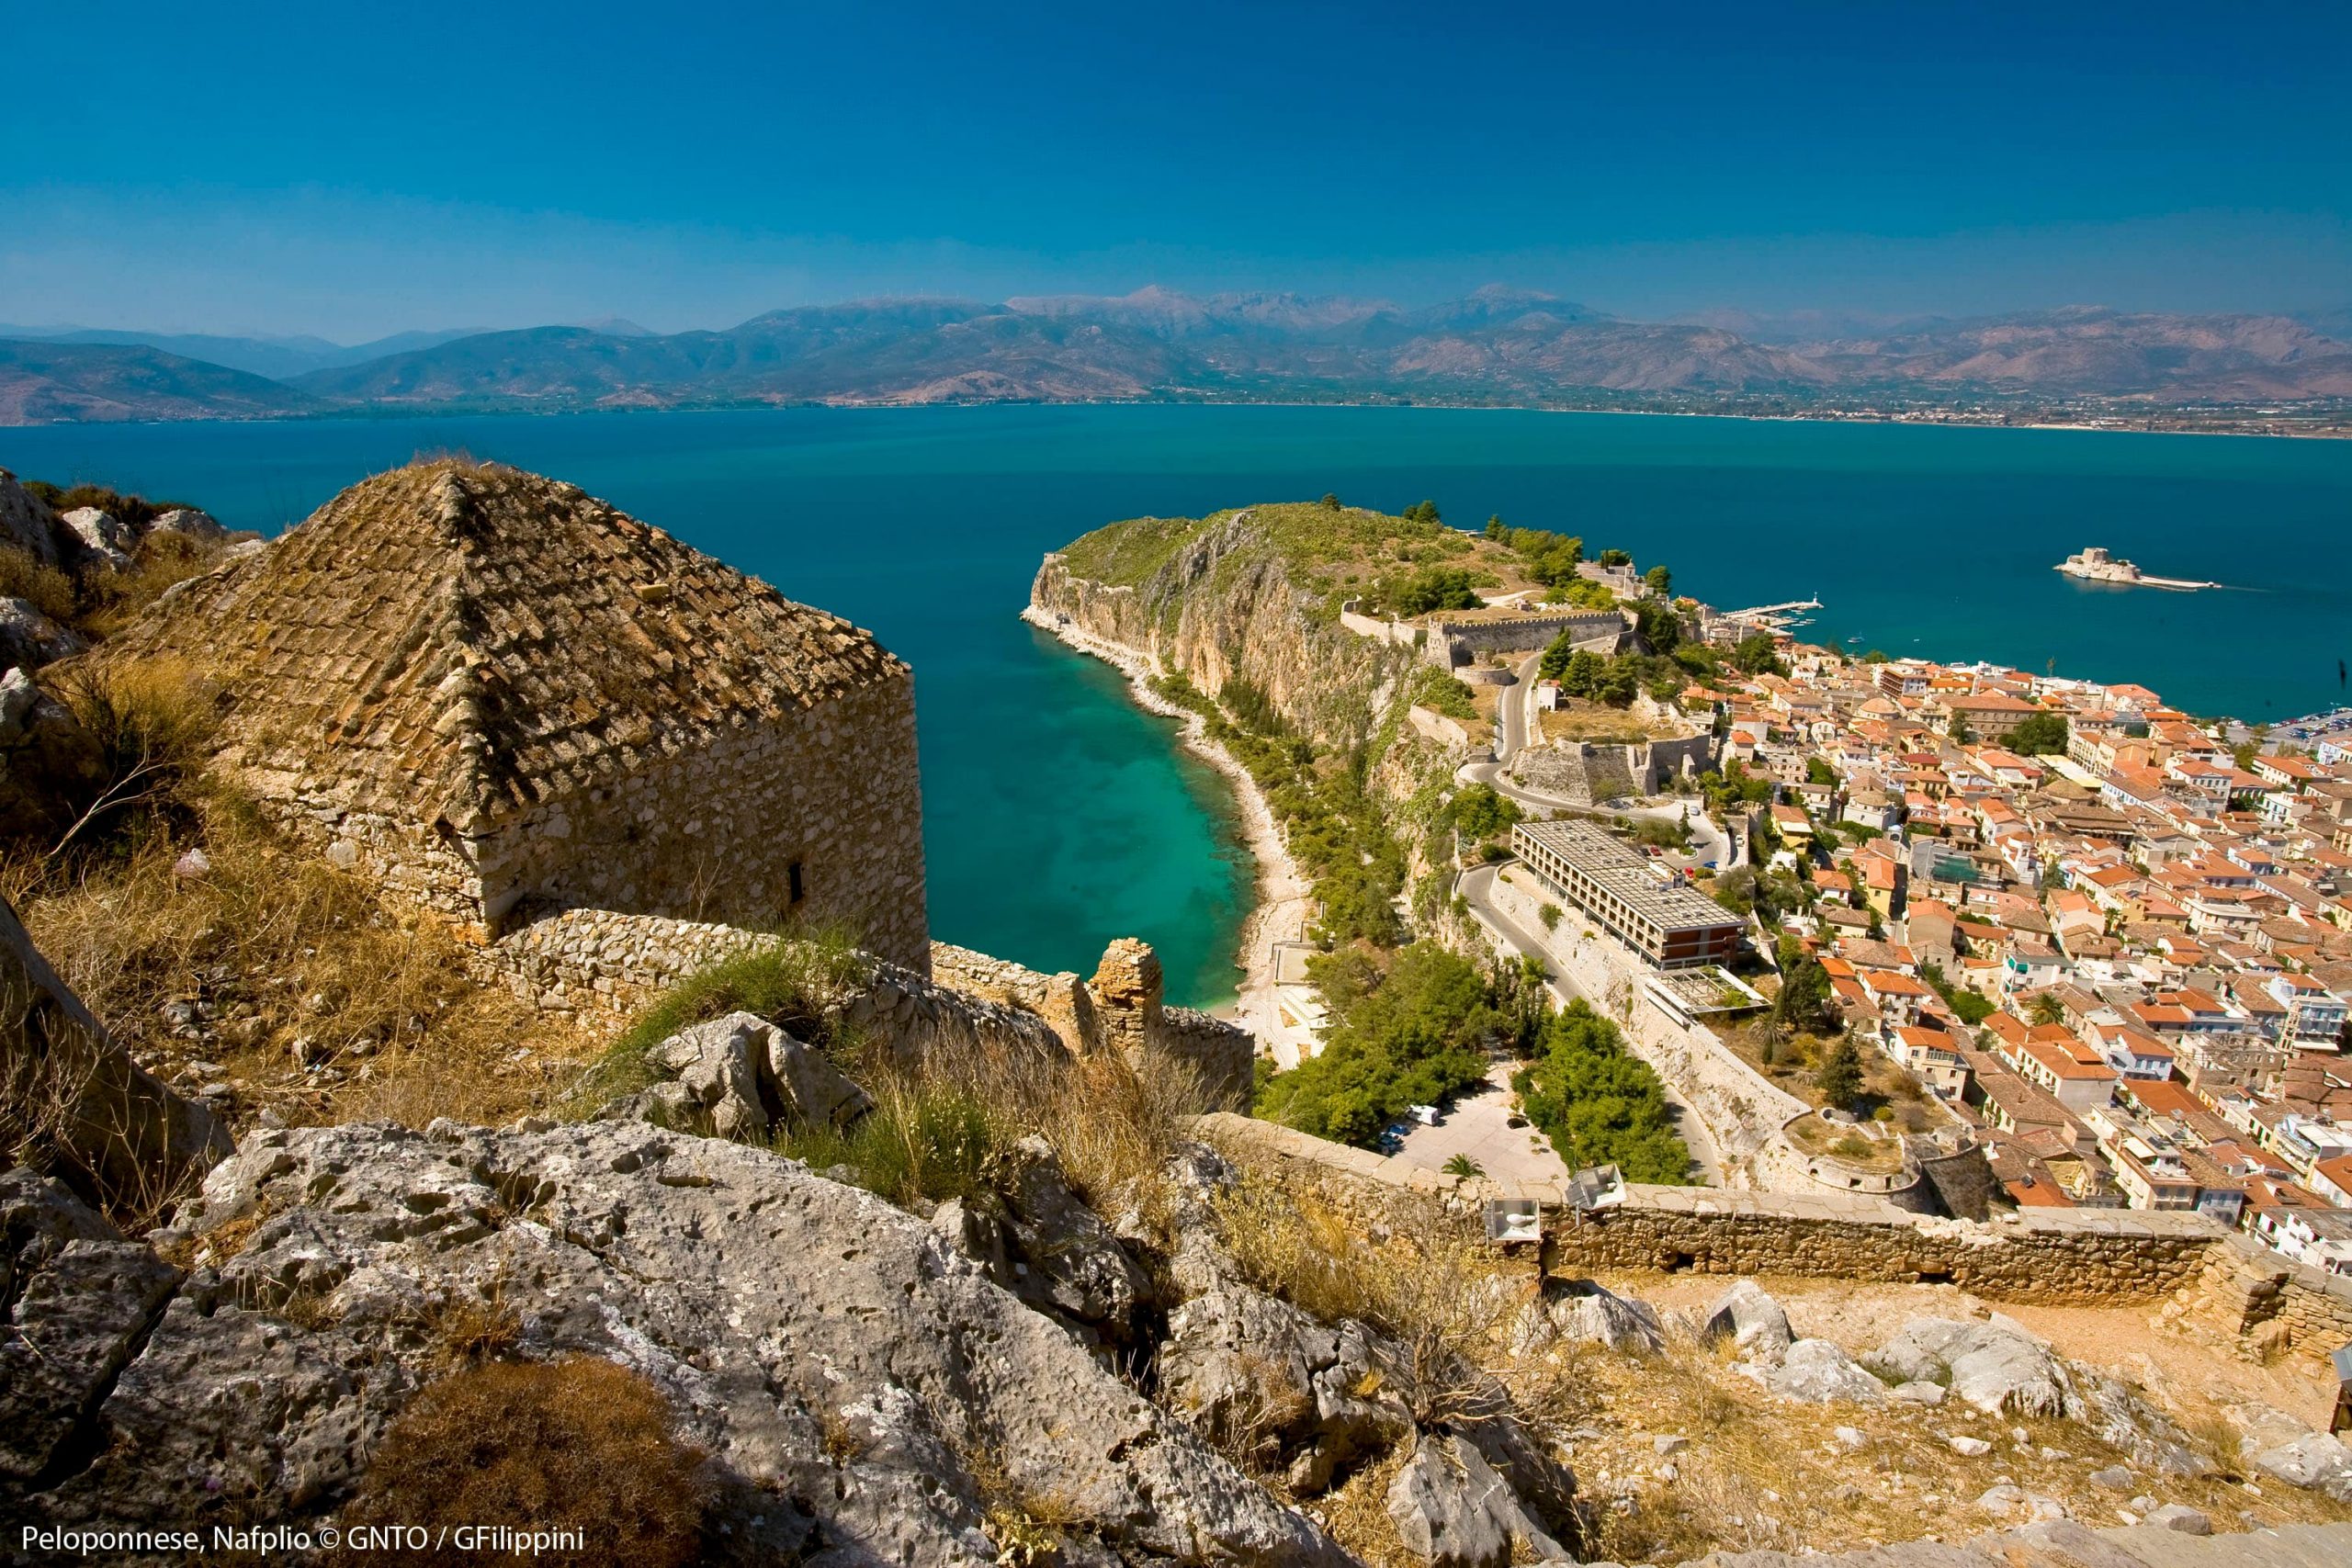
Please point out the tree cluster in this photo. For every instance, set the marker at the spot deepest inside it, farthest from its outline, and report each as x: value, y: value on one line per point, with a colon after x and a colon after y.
x: 1598, y: 1102
x: 1410, y: 1032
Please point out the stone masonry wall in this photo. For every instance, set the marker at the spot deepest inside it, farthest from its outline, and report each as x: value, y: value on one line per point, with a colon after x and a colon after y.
x: 2267, y: 1303
x: 1119, y: 1009
x: 606, y: 966
x: 2066, y: 1257
x: 708, y: 832
x: 711, y: 833
x: 2076, y: 1256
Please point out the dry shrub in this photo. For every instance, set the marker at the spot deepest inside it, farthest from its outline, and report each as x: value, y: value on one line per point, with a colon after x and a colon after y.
x: 578, y: 1444
x: 151, y: 723
x: 281, y: 945
x: 1446, y: 1298
x: 163, y: 561
x: 48, y: 590
x: 1356, y: 1513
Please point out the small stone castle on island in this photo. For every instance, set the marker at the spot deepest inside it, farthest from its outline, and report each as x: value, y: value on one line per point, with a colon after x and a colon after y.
x: 500, y: 697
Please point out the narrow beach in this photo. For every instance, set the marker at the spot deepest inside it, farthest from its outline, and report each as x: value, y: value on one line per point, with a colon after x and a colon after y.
x: 1283, y: 895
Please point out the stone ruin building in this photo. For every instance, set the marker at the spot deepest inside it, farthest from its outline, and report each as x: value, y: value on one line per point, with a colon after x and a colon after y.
x: 502, y: 697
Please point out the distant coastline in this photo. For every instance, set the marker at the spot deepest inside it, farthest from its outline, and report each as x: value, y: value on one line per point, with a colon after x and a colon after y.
x: 2338, y: 425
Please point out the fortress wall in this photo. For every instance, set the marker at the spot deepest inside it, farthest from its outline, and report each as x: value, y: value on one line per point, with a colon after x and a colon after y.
x: 2064, y: 1257
x: 1458, y: 642
x: 712, y: 831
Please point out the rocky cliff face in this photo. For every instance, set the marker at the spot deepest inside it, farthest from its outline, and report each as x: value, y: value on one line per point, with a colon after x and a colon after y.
x: 1227, y: 603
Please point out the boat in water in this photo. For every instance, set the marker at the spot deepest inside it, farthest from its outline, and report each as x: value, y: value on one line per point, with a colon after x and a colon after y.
x: 2095, y: 565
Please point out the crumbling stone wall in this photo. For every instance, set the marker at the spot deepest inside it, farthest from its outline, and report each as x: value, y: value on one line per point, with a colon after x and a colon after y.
x: 2266, y: 1304
x: 1121, y: 1008
x: 2081, y: 1256
x: 605, y: 965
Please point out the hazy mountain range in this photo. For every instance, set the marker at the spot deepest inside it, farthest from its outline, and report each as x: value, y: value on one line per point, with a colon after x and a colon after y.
x: 1497, y: 345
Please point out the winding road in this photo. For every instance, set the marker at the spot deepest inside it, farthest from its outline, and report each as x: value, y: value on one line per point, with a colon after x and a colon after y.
x: 1477, y: 889
x: 1708, y: 842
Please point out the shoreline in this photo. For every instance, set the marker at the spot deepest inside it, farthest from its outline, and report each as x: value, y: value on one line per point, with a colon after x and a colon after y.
x: 1280, y: 895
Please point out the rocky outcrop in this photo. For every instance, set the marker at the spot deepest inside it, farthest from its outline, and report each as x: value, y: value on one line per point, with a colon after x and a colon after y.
x: 863, y: 1390
x: 77, y: 1103
x: 1452, y: 1510
x: 103, y: 538
x: 1748, y: 1317
x: 26, y: 522
x: 1999, y: 1368
x: 1816, y: 1371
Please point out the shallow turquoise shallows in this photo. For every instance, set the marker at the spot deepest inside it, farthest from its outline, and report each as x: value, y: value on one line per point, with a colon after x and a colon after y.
x: 1058, y: 816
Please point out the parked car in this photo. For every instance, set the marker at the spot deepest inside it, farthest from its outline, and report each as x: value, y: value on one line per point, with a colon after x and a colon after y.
x: 1425, y: 1114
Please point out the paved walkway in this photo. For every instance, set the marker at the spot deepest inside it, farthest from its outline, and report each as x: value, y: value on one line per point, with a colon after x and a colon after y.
x: 1478, y: 1126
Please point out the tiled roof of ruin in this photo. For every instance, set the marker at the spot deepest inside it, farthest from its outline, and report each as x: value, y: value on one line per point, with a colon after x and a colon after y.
x: 466, y: 639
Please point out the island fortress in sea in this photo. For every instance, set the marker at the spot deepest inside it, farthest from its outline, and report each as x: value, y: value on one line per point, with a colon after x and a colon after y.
x: 2095, y: 565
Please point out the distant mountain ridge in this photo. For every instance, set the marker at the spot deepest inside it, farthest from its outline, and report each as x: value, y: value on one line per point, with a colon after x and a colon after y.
x: 1499, y: 345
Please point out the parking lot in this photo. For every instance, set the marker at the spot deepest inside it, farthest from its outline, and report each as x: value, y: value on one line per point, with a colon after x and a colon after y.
x: 1477, y: 1125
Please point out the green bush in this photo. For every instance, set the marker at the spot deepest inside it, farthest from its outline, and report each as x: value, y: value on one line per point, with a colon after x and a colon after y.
x: 1598, y: 1103
x: 921, y: 1143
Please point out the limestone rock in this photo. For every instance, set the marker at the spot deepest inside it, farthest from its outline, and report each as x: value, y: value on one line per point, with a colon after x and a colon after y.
x: 77, y: 1301
x: 30, y: 640
x: 26, y: 522
x: 1581, y: 1310
x: 1751, y: 1319
x: 2315, y: 1460
x: 104, y: 538
x: 1075, y: 1265
x: 716, y: 1063
x: 812, y: 1090
x: 1968, y: 1448
x: 116, y: 1134
x: 2012, y: 1503
x: 188, y: 522
x: 834, y: 1358
x: 1452, y: 1510
x: 1247, y: 1369
x: 2180, y: 1517
x: 1816, y: 1372
x: 1994, y: 1366
x: 2114, y: 1477
x: 1918, y: 1392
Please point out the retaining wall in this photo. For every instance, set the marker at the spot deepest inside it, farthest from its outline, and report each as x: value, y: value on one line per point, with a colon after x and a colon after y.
x: 2061, y: 1258
x: 604, y: 966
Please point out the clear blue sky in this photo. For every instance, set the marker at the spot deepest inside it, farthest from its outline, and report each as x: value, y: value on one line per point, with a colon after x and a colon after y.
x: 351, y: 169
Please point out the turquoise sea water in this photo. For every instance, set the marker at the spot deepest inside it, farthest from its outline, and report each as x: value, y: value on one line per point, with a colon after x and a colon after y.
x: 1058, y: 816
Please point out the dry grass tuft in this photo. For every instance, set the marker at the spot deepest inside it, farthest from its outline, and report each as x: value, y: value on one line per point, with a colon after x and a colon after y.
x: 269, y: 946
x: 1356, y: 1513
x: 579, y: 1444
x: 48, y: 590
x: 1448, y: 1299
x: 937, y: 1125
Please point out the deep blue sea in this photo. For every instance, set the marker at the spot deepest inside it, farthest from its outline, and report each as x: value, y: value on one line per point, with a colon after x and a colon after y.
x: 1058, y: 816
